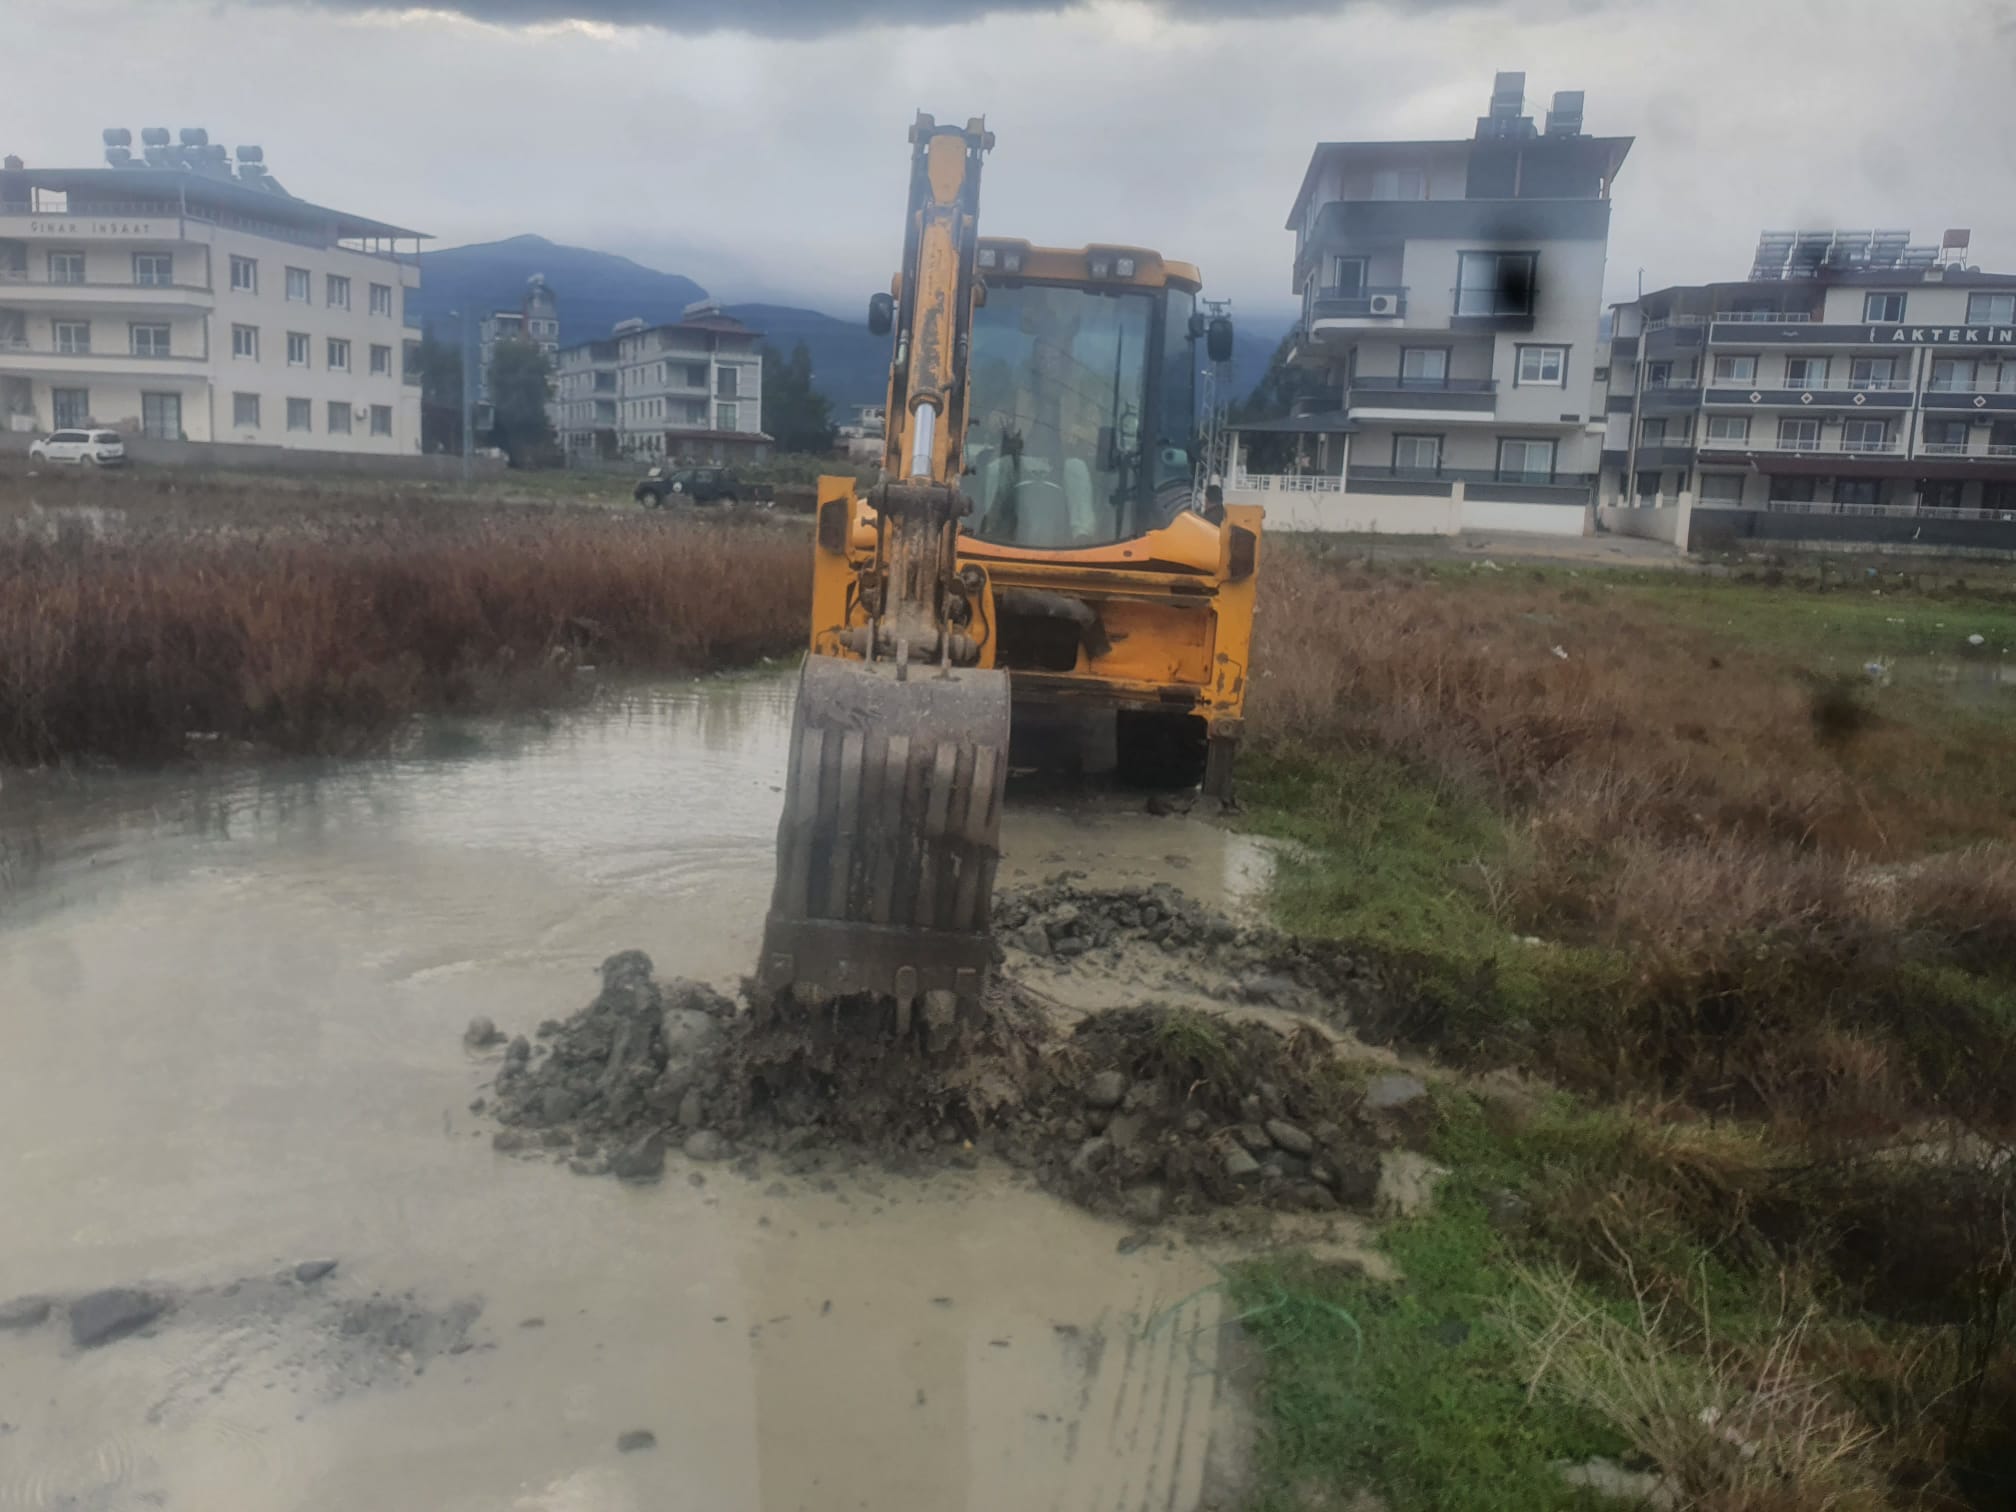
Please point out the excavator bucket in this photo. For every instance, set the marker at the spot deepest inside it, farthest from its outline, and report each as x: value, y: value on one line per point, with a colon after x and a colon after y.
x: 889, y: 838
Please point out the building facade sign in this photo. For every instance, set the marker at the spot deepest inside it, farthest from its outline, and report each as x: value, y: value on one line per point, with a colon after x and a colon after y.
x: 1760, y: 333
x: 74, y: 226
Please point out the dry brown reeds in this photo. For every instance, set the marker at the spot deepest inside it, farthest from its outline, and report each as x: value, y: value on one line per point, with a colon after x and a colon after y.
x: 314, y: 623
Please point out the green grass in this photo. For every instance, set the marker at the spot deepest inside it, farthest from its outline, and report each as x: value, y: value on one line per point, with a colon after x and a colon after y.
x: 1416, y: 1389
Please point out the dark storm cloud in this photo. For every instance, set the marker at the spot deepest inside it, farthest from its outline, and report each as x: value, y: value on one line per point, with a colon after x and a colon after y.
x: 807, y: 18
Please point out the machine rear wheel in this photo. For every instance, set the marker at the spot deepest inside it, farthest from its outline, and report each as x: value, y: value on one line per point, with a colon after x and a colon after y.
x: 1159, y: 750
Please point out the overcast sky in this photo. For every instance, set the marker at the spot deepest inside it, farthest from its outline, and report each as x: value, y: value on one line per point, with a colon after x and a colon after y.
x: 758, y: 145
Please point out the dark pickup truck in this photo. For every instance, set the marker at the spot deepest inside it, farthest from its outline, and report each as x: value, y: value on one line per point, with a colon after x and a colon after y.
x: 697, y: 485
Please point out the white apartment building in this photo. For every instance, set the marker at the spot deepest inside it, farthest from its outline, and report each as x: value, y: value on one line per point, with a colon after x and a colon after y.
x: 691, y: 390
x: 180, y: 300
x: 1451, y: 294
x: 584, y: 399
x: 1852, y: 375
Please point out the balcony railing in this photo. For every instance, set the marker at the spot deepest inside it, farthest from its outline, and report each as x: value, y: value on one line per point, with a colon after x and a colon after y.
x: 1380, y: 474
x: 1830, y: 445
x: 1657, y: 385
x: 1288, y: 482
x: 1763, y: 317
x: 1662, y: 322
x: 2006, y: 384
x: 1382, y: 303
x: 1464, y: 303
x: 1389, y: 383
x: 1885, y: 511
x: 1966, y: 449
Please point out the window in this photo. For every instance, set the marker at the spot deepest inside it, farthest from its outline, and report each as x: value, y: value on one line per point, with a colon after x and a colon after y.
x: 1525, y: 461
x: 1417, y: 454
x: 149, y: 340
x: 300, y: 414
x: 1948, y: 494
x: 1729, y: 428
x: 339, y: 417
x: 1798, y: 434
x: 1871, y: 372
x: 245, y: 275
x: 1883, y: 308
x: 337, y: 292
x: 725, y: 417
x: 726, y: 383
x: 297, y: 285
x: 153, y: 270
x: 1951, y: 375
x: 1347, y: 276
x: 1721, y: 488
x: 1991, y: 309
x: 73, y: 335
x: 297, y: 349
x: 381, y: 362
x: 1946, y: 436
x: 339, y: 355
x: 245, y: 411
x: 1805, y: 372
x: 66, y: 267
x: 1494, y: 283
x: 1735, y: 369
x: 161, y: 416
x: 696, y: 375
x: 1544, y: 365
x: 1397, y: 184
x: 245, y: 341
x: 69, y: 407
x: 1424, y: 367
x: 381, y: 419
x: 381, y: 299
x: 1865, y: 435
x: 1652, y: 431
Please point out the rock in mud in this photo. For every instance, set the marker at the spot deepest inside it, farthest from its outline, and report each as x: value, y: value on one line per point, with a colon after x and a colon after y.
x: 1105, y: 1090
x: 1253, y: 1138
x: 642, y: 1161
x: 24, y: 1312
x: 706, y: 1144
x: 482, y: 1033
x: 692, y: 1109
x: 1294, y: 1140
x: 635, y: 1439
x: 1144, y: 1204
x: 107, y: 1315
x: 1239, y: 1166
x: 1033, y: 938
x: 1393, y: 1093
x: 518, y: 1054
x: 308, y: 1272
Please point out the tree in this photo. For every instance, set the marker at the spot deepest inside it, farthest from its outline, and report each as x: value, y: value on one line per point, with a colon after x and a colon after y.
x: 438, y: 366
x: 521, y: 383
x: 1273, y: 397
x: 797, y: 416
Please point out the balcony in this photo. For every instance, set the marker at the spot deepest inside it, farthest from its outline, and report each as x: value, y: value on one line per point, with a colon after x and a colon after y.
x: 1671, y: 394
x: 1981, y: 449
x: 1480, y: 483
x: 1847, y: 393
x: 1653, y: 456
x: 1370, y: 306
x: 21, y: 290
x: 19, y: 355
x: 1976, y: 394
x: 1464, y: 398
x: 1830, y: 446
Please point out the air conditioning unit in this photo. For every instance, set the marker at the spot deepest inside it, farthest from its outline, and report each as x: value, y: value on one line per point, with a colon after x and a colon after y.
x: 1384, y: 304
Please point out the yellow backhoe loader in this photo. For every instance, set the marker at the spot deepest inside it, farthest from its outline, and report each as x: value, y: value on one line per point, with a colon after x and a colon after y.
x: 1041, y: 533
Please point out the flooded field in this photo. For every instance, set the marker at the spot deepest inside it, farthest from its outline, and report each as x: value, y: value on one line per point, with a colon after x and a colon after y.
x: 234, y: 1002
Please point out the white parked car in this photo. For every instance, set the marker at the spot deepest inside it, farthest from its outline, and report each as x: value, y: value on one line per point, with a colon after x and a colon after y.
x: 89, y: 448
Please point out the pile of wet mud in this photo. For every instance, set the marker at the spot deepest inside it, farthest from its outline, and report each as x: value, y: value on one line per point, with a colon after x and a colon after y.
x: 1145, y: 1111
x: 1156, y: 938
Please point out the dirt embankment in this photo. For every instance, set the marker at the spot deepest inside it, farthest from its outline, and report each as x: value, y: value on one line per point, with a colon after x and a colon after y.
x: 1146, y: 1111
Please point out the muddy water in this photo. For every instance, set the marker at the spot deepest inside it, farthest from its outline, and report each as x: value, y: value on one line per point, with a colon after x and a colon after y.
x: 232, y: 1005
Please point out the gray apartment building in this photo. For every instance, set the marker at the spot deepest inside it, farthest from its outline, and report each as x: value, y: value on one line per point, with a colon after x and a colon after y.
x: 690, y: 390
x: 1451, y: 297
x: 537, y: 320
x: 1852, y: 373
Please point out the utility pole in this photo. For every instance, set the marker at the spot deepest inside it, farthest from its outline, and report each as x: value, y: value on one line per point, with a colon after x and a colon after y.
x: 468, y: 402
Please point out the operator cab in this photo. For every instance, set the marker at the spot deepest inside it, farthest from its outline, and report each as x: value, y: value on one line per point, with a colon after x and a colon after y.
x: 1082, y: 393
